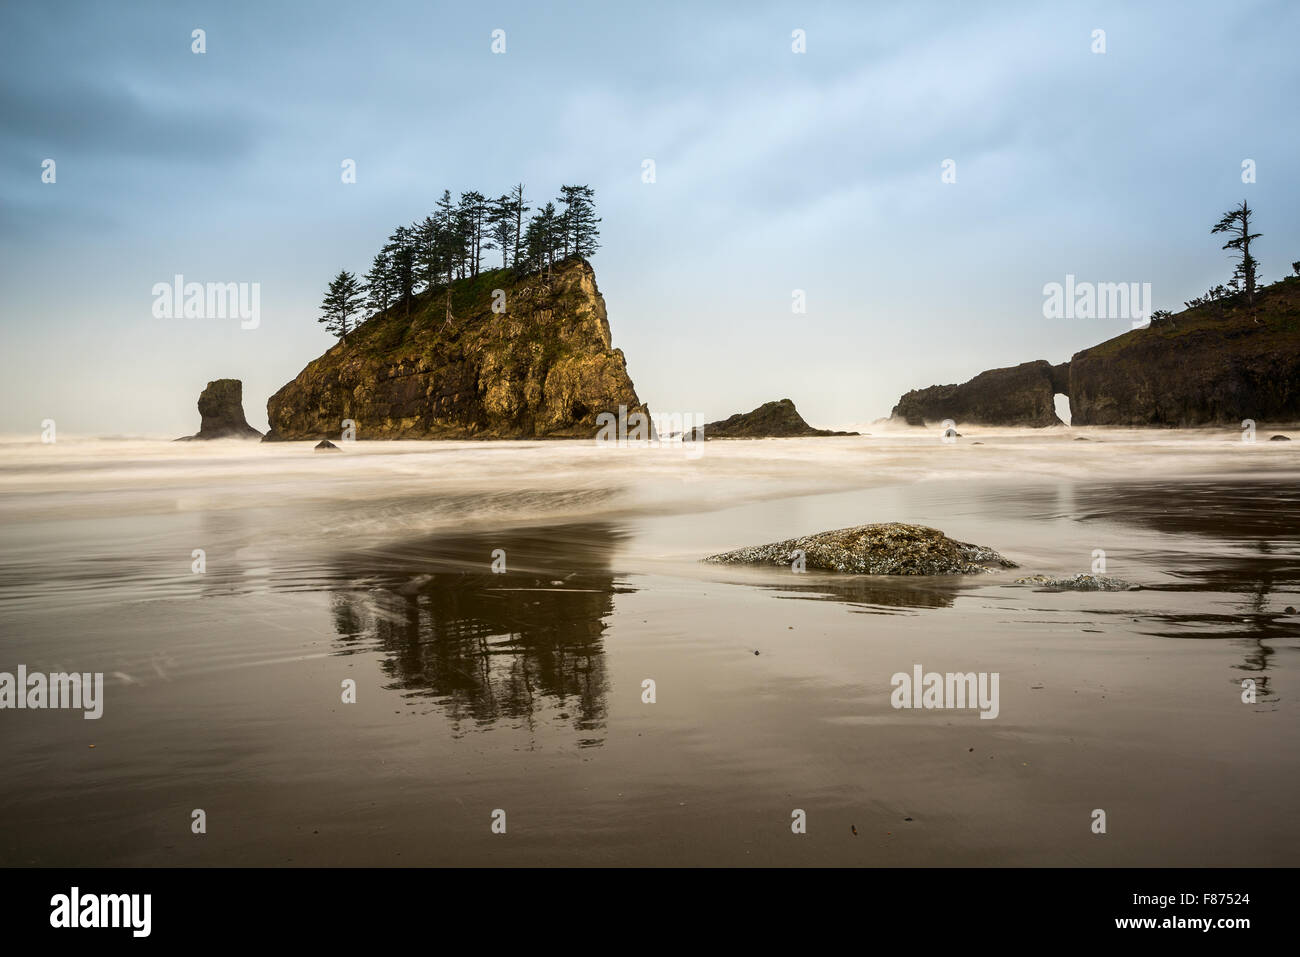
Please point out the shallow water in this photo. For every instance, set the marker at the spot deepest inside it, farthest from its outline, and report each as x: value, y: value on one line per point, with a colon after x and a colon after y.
x: 522, y: 691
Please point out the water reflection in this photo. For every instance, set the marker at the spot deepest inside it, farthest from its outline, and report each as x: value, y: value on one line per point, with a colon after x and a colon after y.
x: 522, y: 645
x: 866, y: 594
x: 1252, y: 551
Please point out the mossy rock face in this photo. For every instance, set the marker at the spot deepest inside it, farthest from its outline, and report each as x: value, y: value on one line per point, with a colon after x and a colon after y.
x: 544, y: 368
x: 888, y: 548
x: 1215, y: 364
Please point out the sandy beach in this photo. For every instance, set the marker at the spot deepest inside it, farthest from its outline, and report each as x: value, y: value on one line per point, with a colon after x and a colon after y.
x: 522, y: 691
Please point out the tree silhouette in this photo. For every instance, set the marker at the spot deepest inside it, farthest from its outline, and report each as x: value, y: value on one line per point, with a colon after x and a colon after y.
x: 501, y: 227
x: 379, y: 283
x: 428, y: 255
x: 342, y: 301
x: 518, y: 206
x: 401, y: 254
x: 474, y: 213
x: 1236, y: 222
x: 579, y: 221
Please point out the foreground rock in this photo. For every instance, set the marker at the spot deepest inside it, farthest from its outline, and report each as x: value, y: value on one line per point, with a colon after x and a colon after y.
x: 543, y: 368
x: 325, y: 445
x: 1022, y: 395
x: 778, y: 419
x: 888, y: 548
x: 1080, y: 582
x: 221, y: 405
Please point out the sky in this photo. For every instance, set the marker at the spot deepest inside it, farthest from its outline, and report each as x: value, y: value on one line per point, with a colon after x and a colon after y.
x: 774, y: 171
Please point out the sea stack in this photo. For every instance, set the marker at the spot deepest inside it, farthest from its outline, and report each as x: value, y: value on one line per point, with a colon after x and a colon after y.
x: 498, y: 356
x: 221, y: 405
x: 779, y: 419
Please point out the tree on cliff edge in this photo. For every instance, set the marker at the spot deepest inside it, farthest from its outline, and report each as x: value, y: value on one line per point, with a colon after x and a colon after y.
x: 400, y: 251
x: 578, y: 221
x: 501, y: 227
x: 379, y: 284
x: 1236, y: 222
x: 342, y: 301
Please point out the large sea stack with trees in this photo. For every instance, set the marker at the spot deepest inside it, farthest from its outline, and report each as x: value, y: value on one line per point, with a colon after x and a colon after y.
x: 436, y: 344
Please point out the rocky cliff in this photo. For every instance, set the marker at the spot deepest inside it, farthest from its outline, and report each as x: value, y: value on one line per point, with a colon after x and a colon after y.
x: 221, y: 407
x: 778, y: 419
x: 543, y: 368
x: 1218, y: 363
x: 1020, y: 395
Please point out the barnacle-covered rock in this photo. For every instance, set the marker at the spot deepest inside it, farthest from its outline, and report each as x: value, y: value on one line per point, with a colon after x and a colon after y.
x: 1080, y: 582
x: 886, y: 548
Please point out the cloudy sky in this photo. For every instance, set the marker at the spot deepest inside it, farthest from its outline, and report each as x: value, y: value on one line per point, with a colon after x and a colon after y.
x: 775, y: 171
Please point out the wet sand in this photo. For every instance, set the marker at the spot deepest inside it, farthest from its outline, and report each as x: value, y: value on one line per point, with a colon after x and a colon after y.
x: 522, y: 691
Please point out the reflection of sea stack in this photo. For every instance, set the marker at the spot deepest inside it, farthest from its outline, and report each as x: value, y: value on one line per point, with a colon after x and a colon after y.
x: 222, y: 406
x: 489, y: 641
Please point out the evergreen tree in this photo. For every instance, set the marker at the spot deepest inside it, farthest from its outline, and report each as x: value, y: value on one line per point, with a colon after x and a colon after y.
x: 1236, y: 222
x: 473, y: 211
x: 401, y: 254
x: 579, y: 221
x: 446, y: 254
x: 379, y: 284
x: 428, y: 258
x: 342, y: 301
x: 545, y: 238
x: 518, y: 207
x: 529, y: 257
x: 449, y: 242
x: 501, y: 227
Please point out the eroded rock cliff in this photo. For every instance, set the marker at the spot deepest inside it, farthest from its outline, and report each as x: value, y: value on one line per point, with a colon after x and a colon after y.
x: 543, y: 368
x: 1021, y: 395
x: 1218, y: 363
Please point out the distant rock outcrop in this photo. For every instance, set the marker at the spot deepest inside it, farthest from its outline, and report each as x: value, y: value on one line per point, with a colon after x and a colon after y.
x: 886, y: 548
x: 1022, y: 395
x: 544, y: 367
x: 778, y: 419
x: 221, y: 405
x: 1218, y: 363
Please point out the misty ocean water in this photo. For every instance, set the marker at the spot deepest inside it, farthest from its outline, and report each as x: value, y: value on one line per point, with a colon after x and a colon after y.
x: 523, y: 690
